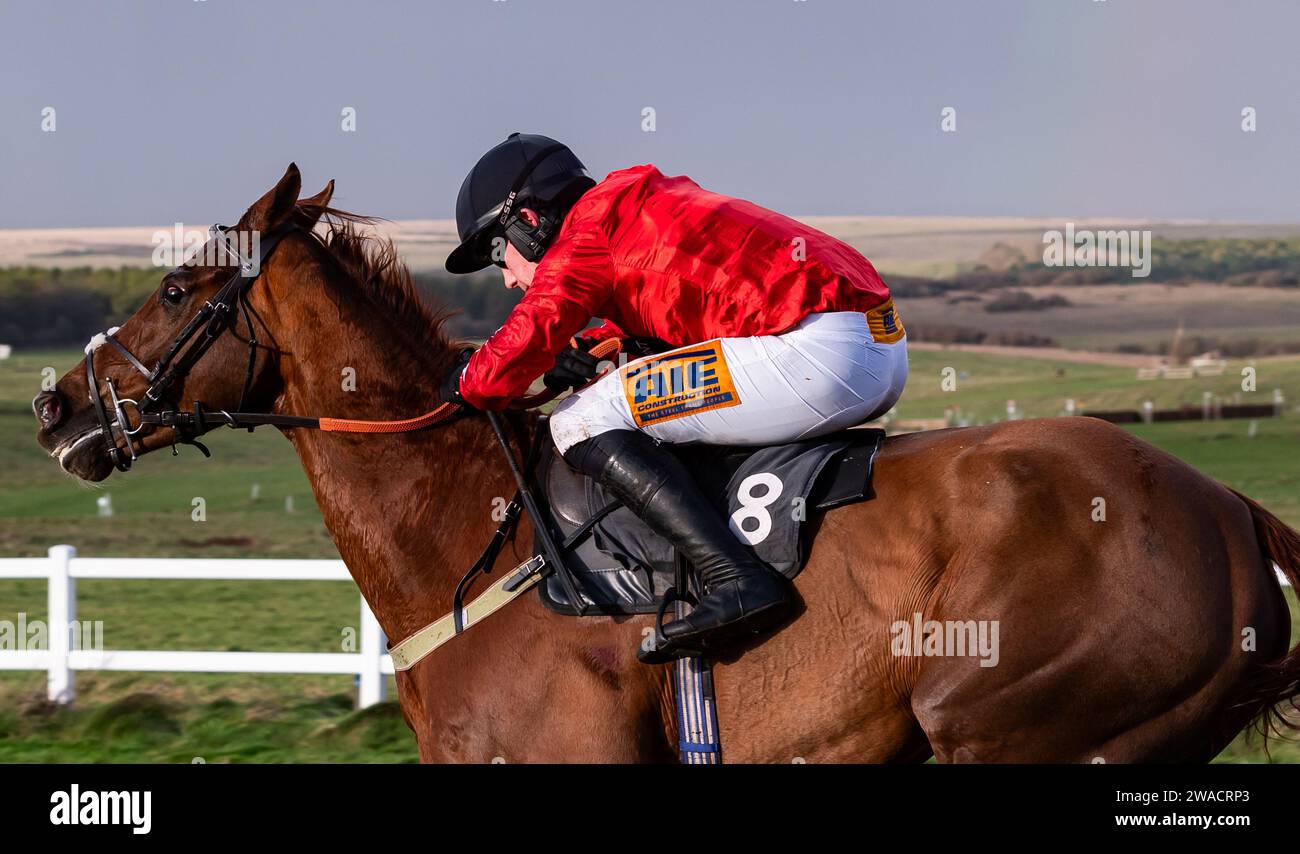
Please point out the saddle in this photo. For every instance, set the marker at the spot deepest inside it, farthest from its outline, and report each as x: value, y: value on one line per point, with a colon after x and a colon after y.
x: 616, y: 565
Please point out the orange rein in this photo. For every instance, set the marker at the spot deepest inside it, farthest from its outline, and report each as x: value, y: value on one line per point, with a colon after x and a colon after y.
x: 610, y: 347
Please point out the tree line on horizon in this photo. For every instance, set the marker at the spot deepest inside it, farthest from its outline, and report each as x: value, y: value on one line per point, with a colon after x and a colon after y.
x: 45, y: 307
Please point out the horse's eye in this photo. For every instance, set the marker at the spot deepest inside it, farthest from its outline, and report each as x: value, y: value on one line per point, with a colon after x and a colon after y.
x: 173, y: 295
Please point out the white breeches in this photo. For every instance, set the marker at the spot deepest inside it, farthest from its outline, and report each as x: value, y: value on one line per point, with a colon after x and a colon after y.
x: 823, y: 375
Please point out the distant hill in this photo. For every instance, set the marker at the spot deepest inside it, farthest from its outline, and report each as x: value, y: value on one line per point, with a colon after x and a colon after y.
x: 1001, y: 256
x: 919, y: 246
x: 980, y: 281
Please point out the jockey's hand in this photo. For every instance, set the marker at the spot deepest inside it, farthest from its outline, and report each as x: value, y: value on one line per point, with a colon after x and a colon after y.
x: 450, y: 385
x: 574, y: 368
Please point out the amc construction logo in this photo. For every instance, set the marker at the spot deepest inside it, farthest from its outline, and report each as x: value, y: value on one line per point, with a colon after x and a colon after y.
x: 75, y: 807
x: 682, y: 382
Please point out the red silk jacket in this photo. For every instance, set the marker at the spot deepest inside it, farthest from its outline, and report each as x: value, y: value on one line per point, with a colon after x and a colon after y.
x: 661, y: 257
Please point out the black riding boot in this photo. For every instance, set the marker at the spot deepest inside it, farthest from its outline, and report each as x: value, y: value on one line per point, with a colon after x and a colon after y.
x: 742, y: 595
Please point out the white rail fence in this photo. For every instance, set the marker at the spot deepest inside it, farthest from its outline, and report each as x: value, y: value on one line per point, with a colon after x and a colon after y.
x: 63, y: 568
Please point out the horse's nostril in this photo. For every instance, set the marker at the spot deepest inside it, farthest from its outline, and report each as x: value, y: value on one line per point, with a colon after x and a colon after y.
x: 48, y: 409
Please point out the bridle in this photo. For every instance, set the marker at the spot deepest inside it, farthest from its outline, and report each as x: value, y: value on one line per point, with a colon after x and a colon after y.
x: 218, y: 314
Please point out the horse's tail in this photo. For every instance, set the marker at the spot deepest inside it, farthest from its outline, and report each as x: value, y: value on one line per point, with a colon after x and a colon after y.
x: 1273, y: 690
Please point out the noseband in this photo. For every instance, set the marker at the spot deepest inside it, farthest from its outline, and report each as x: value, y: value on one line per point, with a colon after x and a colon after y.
x: 217, y: 315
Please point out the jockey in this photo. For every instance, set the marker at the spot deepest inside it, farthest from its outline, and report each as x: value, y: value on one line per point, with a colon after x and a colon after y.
x: 776, y: 332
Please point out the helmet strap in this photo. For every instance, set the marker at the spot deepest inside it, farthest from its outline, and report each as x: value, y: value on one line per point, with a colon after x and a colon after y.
x: 530, y: 240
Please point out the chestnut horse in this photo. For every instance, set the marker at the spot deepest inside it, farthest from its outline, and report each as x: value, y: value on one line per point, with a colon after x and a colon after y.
x: 1138, y: 617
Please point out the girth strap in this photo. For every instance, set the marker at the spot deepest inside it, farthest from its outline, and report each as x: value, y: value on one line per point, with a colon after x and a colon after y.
x: 409, y: 652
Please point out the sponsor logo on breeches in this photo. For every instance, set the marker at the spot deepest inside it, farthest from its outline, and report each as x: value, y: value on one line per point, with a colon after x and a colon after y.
x: 678, y: 383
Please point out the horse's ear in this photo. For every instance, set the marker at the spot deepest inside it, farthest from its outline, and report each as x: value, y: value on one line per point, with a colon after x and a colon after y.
x: 321, y: 199
x: 277, y: 205
x: 312, y: 208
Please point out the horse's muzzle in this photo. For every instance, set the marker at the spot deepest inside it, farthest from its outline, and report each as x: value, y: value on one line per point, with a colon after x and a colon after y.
x: 72, y: 438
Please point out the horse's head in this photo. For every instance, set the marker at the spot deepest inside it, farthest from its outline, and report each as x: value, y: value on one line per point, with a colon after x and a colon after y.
x: 190, y: 341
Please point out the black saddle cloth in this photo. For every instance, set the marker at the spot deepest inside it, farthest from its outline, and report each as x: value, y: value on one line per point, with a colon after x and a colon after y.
x: 766, y: 493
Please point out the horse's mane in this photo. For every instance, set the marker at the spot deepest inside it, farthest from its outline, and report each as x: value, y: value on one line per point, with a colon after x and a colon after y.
x: 372, y: 262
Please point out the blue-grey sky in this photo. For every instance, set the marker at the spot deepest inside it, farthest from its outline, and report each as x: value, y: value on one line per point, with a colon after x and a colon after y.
x: 172, y: 110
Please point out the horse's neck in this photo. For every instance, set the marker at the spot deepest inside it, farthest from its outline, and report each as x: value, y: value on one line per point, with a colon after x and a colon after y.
x: 409, y: 512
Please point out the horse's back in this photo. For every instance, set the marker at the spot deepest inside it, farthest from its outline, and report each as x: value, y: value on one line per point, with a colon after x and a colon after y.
x: 1076, y: 500
x: 1097, y: 562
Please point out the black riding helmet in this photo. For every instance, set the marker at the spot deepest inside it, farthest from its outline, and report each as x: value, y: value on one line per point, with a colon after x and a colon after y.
x: 527, y: 170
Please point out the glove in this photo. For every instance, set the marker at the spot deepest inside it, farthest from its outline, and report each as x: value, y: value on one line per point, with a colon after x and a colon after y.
x: 450, y: 385
x: 574, y: 368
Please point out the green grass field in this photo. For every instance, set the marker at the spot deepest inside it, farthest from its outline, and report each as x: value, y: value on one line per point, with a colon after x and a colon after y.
x: 242, y: 718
